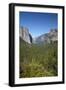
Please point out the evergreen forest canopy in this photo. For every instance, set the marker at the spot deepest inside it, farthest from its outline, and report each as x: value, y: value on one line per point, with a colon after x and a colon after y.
x: 38, y: 60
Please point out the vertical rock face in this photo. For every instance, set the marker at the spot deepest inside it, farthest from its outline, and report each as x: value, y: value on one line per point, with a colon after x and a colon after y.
x: 24, y: 35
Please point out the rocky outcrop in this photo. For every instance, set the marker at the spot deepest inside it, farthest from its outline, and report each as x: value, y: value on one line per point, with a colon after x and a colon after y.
x: 48, y: 37
x: 25, y: 35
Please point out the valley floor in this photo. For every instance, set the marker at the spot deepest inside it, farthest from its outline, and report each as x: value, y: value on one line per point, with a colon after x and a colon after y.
x: 38, y: 60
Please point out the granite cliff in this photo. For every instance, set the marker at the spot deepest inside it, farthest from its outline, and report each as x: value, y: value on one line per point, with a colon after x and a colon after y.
x: 25, y: 35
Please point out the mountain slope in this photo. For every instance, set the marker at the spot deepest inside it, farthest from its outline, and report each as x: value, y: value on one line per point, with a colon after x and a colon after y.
x: 47, y: 38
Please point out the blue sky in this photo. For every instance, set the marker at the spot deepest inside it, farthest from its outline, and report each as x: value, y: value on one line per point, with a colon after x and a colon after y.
x: 38, y: 23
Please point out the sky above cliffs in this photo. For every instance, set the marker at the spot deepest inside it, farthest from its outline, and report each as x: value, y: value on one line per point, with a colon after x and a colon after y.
x: 38, y: 23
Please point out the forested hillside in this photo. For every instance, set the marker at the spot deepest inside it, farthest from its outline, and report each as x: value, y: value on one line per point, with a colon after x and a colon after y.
x: 38, y: 60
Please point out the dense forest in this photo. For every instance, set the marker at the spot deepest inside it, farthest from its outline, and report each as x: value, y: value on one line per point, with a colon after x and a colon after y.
x: 38, y: 60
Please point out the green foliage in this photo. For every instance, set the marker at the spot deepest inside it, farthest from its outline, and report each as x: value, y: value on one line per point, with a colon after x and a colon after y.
x: 38, y: 60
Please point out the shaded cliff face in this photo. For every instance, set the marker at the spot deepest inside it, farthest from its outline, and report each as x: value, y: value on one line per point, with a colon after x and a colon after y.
x: 47, y: 38
x: 24, y: 35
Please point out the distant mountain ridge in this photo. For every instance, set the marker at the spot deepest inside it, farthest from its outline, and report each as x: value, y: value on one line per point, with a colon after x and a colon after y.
x: 47, y: 37
x: 44, y: 38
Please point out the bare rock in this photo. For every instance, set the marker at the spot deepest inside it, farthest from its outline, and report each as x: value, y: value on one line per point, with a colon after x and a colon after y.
x: 25, y: 35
